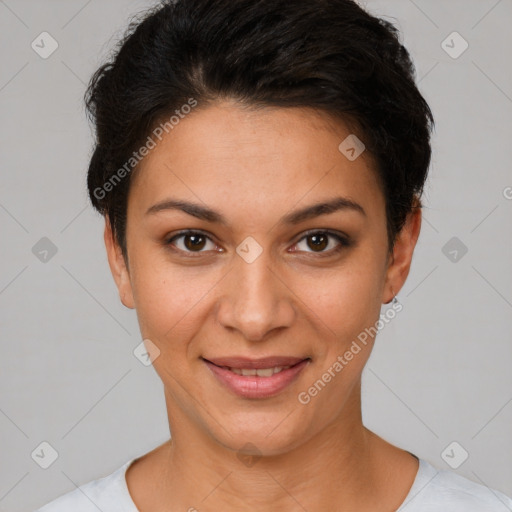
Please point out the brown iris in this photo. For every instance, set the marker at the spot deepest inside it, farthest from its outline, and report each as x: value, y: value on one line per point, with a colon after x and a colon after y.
x: 194, y: 241
x: 318, y: 241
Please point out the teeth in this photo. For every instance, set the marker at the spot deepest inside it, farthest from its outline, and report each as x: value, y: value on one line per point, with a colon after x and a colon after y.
x: 263, y: 372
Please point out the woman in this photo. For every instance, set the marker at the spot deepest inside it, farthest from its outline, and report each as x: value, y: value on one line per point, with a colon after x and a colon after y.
x: 260, y: 166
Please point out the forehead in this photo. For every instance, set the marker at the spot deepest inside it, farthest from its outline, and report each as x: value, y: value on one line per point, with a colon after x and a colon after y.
x: 234, y: 157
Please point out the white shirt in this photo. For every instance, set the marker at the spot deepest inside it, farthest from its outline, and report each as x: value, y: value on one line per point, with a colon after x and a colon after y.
x: 433, y: 490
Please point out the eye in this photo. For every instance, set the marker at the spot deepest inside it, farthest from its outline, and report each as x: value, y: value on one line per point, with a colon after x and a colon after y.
x: 319, y: 241
x: 191, y: 241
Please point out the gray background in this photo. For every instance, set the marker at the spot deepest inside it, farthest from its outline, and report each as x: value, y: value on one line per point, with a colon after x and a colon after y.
x: 440, y: 371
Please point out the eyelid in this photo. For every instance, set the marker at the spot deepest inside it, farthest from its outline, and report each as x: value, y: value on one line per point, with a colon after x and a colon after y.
x: 327, y: 231
x: 343, y: 239
x: 169, y: 239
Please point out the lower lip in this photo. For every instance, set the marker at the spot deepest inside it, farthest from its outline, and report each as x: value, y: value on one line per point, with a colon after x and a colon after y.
x: 252, y: 386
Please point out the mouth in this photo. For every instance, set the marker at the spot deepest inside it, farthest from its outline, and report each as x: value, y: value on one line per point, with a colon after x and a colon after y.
x: 256, y: 378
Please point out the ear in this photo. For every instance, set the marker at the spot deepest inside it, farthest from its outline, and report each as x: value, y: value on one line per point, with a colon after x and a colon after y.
x: 401, y: 258
x: 118, y: 266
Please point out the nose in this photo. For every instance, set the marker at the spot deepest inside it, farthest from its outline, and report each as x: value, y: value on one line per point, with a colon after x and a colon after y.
x: 256, y: 300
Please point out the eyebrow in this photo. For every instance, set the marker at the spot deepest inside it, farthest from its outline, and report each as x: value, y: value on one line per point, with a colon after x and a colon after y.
x: 309, y: 212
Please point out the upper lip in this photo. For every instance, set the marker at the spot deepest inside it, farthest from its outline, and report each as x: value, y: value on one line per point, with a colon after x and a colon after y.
x: 247, y: 363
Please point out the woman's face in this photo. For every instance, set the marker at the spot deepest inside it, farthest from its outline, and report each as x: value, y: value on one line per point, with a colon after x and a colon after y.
x: 257, y: 278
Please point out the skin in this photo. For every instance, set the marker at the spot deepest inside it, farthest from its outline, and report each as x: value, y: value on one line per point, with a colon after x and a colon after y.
x: 295, y: 299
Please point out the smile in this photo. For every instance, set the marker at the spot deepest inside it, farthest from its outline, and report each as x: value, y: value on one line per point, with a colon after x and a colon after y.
x: 257, y: 379
x: 263, y: 372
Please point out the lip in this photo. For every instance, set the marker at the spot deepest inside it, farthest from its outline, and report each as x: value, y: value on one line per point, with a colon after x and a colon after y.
x: 264, y: 362
x: 253, y: 386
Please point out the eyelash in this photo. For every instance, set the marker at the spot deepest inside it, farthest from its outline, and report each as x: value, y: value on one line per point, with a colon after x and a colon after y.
x: 344, y: 241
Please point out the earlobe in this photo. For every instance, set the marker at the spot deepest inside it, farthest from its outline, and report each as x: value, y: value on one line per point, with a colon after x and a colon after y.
x: 118, y: 266
x: 401, y: 258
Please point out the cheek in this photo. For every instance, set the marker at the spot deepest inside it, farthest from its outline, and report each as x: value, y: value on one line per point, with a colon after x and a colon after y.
x: 344, y: 302
x: 169, y: 300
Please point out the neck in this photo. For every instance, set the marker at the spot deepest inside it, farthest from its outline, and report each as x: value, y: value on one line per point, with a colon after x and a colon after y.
x: 337, y: 463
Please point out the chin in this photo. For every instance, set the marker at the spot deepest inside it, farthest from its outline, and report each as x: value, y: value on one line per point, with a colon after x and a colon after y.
x: 263, y: 435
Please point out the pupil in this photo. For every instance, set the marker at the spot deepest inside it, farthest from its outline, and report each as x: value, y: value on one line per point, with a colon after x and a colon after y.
x: 194, y: 241
x: 319, y: 241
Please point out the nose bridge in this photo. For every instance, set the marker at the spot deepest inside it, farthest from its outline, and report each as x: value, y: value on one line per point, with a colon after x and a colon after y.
x: 256, y: 301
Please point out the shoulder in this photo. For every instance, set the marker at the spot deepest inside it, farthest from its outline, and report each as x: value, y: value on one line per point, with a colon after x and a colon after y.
x: 109, y: 494
x: 439, y: 489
